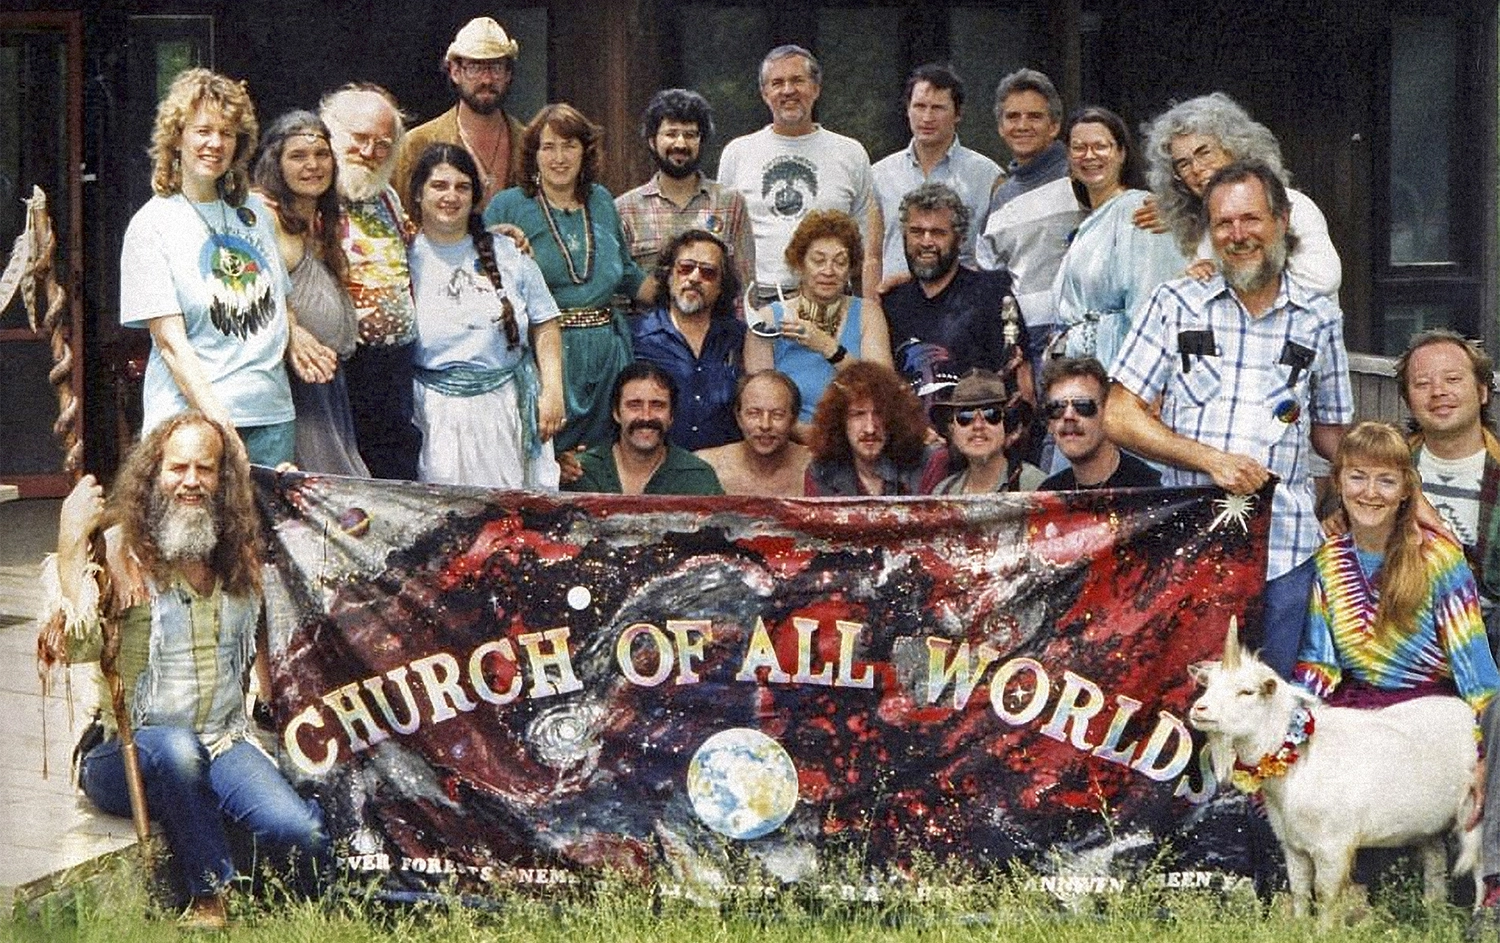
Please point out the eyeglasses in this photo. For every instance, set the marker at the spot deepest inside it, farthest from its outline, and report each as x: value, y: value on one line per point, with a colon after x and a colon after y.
x: 380, y: 147
x: 708, y: 271
x: 476, y: 68
x: 1203, y: 158
x: 1101, y: 148
x: 992, y: 415
x: 1085, y: 406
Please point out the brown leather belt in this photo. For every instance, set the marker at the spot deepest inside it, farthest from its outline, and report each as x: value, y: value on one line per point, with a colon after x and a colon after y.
x: 586, y: 317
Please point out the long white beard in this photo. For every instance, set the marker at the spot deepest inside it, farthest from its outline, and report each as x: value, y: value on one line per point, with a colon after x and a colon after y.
x: 358, y: 183
x: 184, y: 532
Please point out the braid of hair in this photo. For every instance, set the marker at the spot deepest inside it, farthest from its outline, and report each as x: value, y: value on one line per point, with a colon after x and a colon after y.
x: 484, y: 245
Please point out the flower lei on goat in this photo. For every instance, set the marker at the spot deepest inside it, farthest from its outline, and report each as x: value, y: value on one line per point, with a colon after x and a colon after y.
x: 1249, y: 779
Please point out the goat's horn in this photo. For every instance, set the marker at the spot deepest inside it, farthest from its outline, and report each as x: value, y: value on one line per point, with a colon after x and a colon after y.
x: 1232, y: 644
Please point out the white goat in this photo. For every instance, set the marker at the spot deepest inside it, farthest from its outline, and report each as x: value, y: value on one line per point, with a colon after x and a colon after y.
x: 1386, y: 778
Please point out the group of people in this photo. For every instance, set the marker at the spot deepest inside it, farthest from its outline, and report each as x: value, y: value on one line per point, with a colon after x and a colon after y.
x: 465, y: 303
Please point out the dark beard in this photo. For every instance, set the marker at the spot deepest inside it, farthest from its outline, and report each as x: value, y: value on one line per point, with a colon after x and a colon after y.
x: 481, y: 107
x: 674, y: 171
x: 931, y: 273
x: 183, y: 532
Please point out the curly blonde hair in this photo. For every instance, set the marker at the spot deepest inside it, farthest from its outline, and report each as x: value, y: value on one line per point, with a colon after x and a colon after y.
x: 189, y: 91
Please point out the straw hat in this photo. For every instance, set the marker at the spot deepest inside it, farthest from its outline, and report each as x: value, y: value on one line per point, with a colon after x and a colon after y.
x: 483, y: 38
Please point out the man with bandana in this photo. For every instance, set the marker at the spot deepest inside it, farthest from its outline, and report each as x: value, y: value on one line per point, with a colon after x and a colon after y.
x: 480, y: 63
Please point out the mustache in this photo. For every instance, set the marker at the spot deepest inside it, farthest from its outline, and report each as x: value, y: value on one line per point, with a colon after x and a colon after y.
x: 635, y: 425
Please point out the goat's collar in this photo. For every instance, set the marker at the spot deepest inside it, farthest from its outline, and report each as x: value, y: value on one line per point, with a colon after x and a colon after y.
x: 1247, y: 778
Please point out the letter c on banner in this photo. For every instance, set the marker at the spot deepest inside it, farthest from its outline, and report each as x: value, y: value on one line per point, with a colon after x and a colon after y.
x: 309, y: 718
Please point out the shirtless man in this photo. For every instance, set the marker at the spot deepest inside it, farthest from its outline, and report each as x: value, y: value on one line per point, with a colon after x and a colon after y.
x: 766, y: 462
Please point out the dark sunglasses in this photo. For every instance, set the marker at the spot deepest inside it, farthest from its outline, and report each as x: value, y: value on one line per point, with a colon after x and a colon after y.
x: 991, y: 414
x: 709, y: 271
x: 1085, y: 406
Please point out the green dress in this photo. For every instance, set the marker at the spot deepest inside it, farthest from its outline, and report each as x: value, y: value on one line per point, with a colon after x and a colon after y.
x: 592, y: 356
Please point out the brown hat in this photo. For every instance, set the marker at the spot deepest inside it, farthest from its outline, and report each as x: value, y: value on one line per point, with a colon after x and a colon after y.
x: 483, y: 38
x: 978, y: 388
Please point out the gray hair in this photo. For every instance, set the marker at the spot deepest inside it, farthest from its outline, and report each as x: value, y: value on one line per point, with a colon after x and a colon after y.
x: 1215, y: 115
x: 1028, y: 80
x: 930, y: 197
x: 786, y: 51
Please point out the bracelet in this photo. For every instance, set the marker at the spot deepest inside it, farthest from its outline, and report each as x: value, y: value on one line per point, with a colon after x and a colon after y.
x: 838, y: 355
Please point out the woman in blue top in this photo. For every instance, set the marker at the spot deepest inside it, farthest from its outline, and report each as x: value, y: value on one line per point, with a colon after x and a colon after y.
x: 580, y: 247
x: 1112, y: 266
x: 488, y: 383
x: 824, y: 328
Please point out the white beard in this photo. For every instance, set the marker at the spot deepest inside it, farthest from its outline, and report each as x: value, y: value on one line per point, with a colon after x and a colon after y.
x: 184, y: 532
x: 358, y: 183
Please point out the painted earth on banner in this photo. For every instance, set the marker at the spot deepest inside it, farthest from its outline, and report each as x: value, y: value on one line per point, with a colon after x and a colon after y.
x: 503, y: 688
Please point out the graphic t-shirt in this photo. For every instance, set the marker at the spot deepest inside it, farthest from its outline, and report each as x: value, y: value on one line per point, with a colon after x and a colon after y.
x: 1453, y: 488
x: 219, y: 268
x: 783, y: 178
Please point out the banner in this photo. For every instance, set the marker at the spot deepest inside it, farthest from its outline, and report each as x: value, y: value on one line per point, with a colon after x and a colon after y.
x: 511, y: 688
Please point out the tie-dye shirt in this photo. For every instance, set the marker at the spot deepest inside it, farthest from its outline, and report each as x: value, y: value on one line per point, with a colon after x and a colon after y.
x: 1445, y: 644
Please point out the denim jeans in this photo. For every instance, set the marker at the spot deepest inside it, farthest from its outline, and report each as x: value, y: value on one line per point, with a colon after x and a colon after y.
x: 193, y: 798
x: 1285, y: 617
x: 269, y: 445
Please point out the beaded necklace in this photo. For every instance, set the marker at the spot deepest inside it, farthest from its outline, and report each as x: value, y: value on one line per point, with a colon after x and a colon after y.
x: 588, y: 240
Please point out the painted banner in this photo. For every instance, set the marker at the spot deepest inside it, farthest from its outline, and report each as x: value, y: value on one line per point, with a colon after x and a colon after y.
x: 511, y: 688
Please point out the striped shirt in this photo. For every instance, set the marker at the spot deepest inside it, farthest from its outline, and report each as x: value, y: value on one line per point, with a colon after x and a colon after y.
x: 1247, y: 393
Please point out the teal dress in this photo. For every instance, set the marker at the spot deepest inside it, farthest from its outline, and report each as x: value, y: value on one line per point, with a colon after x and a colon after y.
x: 592, y: 356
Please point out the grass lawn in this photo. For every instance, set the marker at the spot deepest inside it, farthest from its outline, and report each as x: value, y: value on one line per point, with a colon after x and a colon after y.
x: 116, y: 909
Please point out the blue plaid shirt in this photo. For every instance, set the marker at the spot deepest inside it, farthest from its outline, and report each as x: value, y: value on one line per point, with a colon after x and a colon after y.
x: 1246, y: 396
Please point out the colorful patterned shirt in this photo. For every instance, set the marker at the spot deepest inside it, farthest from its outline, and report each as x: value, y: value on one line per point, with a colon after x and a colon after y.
x: 1445, y: 643
x: 1246, y: 385
x: 379, y: 277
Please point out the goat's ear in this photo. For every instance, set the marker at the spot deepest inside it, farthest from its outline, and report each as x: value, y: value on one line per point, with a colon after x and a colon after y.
x: 1268, y: 687
x: 1202, y: 671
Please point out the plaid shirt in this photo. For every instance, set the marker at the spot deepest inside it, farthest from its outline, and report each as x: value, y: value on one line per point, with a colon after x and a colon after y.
x: 1246, y: 397
x: 651, y: 221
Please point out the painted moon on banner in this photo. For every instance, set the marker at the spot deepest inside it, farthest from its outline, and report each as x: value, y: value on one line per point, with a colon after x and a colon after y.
x: 742, y: 783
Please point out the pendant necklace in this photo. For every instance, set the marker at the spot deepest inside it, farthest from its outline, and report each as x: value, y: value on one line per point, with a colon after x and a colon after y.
x: 588, y: 240
x: 486, y: 175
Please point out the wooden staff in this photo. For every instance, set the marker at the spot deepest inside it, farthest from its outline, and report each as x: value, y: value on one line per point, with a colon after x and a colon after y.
x: 32, y: 259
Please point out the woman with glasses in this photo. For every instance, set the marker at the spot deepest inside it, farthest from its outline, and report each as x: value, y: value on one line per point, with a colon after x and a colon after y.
x: 1111, y: 266
x: 575, y: 235
x: 984, y: 420
x: 822, y: 330
x: 1191, y: 142
x: 1073, y: 391
x: 488, y: 359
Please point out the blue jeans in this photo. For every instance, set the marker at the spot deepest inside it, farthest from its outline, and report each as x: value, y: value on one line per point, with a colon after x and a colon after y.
x: 193, y: 798
x: 1285, y: 617
x: 269, y: 445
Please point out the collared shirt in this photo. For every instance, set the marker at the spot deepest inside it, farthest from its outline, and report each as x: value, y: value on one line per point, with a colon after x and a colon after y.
x: 704, y: 416
x: 379, y: 278
x: 1051, y: 164
x: 969, y: 173
x: 650, y: 221
x: 1245, y: 397
x: 681, y: 472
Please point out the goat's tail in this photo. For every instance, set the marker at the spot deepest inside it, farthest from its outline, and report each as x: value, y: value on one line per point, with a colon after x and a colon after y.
x: 1470, y: 841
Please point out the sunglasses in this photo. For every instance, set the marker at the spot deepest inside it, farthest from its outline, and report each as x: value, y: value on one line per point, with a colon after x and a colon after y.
x: 707, y: 270
x: 1085, y: 406
x: 992, y: 415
